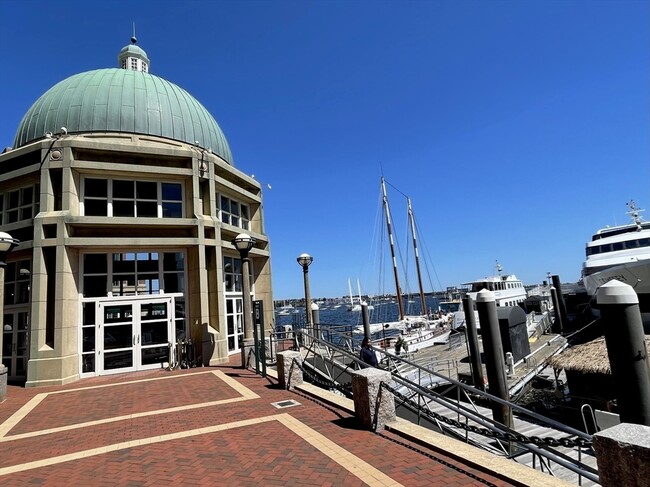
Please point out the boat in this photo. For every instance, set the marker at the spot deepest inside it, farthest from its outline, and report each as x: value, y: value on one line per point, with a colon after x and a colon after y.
x: 412, y: 327
x: 507, y: 289
x: 285, y: 309
x: 357, y: 306
x: 621, y: 253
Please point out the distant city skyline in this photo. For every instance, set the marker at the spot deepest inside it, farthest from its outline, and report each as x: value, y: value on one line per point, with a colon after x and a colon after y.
x: 517, y: 128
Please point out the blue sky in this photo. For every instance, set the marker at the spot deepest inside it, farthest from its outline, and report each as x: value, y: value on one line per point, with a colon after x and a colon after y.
x: 517, y: 128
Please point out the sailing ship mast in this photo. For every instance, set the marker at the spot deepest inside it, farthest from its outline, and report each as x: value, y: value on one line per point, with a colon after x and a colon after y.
x: 400, y: 305
x: 417, y: 257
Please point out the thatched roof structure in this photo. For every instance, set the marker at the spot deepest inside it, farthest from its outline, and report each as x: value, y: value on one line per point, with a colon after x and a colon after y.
x: 588, y: 358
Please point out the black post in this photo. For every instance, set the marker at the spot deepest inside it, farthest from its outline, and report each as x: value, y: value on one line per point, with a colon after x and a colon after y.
x: 557, y: 326
x: 494, y: 358
x: 560, y: 299
x: 366, y: 321
x: 258, y: 316
x: 256, y: 342
x: 628, y: 358
x: 472, y: 340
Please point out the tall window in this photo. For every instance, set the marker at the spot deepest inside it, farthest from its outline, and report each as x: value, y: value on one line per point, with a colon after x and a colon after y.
x: 234, y: 213
x: 17, y: 282
x: 232, y: 269
x: 19, y: 204
x: 128, y: 198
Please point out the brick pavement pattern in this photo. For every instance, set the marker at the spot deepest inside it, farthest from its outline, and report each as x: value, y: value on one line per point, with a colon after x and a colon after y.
x: 213, y: 426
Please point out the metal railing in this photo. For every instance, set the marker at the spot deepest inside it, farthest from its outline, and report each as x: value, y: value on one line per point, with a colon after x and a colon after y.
x: 452, y: 408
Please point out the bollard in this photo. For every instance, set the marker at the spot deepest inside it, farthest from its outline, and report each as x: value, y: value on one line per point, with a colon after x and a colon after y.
x: 366, y: 391
x: 623, y: 455
x: 494, y: 359
x: 289, y: 369
x: 560, y: 299
x: 628, y: 358
x: 366, y: 321
x: 557, y: 326
x: 315, y: 320
x: 472, y: 340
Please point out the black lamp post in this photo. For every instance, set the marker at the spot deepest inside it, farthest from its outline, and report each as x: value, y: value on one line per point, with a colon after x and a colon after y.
x: 244, y: 243
x: 7, y: 244
x: 305, y: 261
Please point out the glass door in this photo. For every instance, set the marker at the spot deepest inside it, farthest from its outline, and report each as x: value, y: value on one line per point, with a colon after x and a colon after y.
x: 154, y: 334
x: 134, y: 335
x: 15, y: 344
x: 117, y: 337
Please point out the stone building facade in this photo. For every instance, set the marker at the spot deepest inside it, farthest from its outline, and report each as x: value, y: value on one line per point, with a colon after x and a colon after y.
x: 122, y: 191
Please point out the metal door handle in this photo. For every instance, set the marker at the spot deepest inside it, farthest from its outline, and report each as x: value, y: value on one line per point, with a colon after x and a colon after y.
x: 133, y: 340
x: 138, y: 339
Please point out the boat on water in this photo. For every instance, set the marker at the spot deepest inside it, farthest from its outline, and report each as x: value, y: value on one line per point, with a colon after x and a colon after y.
x: 285, y: 310
x: 412, y: 327
x: 621, y: 253
x: 507, y: 289
x: 357, y: 306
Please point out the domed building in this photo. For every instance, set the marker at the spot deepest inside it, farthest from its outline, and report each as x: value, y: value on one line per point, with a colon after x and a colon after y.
x: 122, y: 191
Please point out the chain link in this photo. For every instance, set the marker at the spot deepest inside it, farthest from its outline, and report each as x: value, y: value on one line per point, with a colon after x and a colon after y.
x: 489, y: 433
x: 345, y: 389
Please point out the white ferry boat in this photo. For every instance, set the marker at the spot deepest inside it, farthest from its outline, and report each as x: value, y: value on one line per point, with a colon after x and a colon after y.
x: 507, y: 289
x: 621, y: 253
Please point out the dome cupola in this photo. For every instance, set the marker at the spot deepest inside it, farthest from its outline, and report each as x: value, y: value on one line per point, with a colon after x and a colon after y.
x: 133, y: 57
x: 128, y: 100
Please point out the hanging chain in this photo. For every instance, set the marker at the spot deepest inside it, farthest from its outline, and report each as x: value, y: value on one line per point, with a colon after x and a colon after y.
x: 489, y: 433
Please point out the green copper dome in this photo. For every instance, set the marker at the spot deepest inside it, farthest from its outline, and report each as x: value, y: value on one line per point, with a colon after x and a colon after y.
x: 122, y: 100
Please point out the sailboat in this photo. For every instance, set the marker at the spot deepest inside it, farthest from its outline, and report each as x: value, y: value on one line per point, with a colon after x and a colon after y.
x: 418, y: 331
x: 357, y: 306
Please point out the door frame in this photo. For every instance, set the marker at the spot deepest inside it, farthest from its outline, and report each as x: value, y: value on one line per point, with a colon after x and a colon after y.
x: 136, y: 331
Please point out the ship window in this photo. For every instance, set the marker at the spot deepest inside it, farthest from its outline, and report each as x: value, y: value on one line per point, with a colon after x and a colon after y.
x: 644, y: 242
x: 632, y: 244
x: 618, y: 246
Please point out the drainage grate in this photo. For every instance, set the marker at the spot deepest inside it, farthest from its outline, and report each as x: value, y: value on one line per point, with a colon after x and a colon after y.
x: 285, y: 404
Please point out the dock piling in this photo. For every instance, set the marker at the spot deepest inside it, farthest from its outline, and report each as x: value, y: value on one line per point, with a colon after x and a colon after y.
x: 628, y: 358
x: 494, y: 358
x: 472, y: 340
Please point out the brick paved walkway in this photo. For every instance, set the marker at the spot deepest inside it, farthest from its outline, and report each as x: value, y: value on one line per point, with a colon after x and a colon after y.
x: 208, y: 426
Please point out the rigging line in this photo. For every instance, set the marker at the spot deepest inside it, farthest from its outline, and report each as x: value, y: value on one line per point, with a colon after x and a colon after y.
x: 426, y: 262
x: 400, y: 192
x: 399, y: 253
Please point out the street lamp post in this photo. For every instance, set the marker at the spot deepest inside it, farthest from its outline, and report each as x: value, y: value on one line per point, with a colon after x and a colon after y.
x: 305, y: 260
x: 7, y: 244
x: 244, y: 243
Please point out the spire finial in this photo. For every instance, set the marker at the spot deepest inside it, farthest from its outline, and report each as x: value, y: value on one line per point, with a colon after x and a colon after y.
x: 134, y: 40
